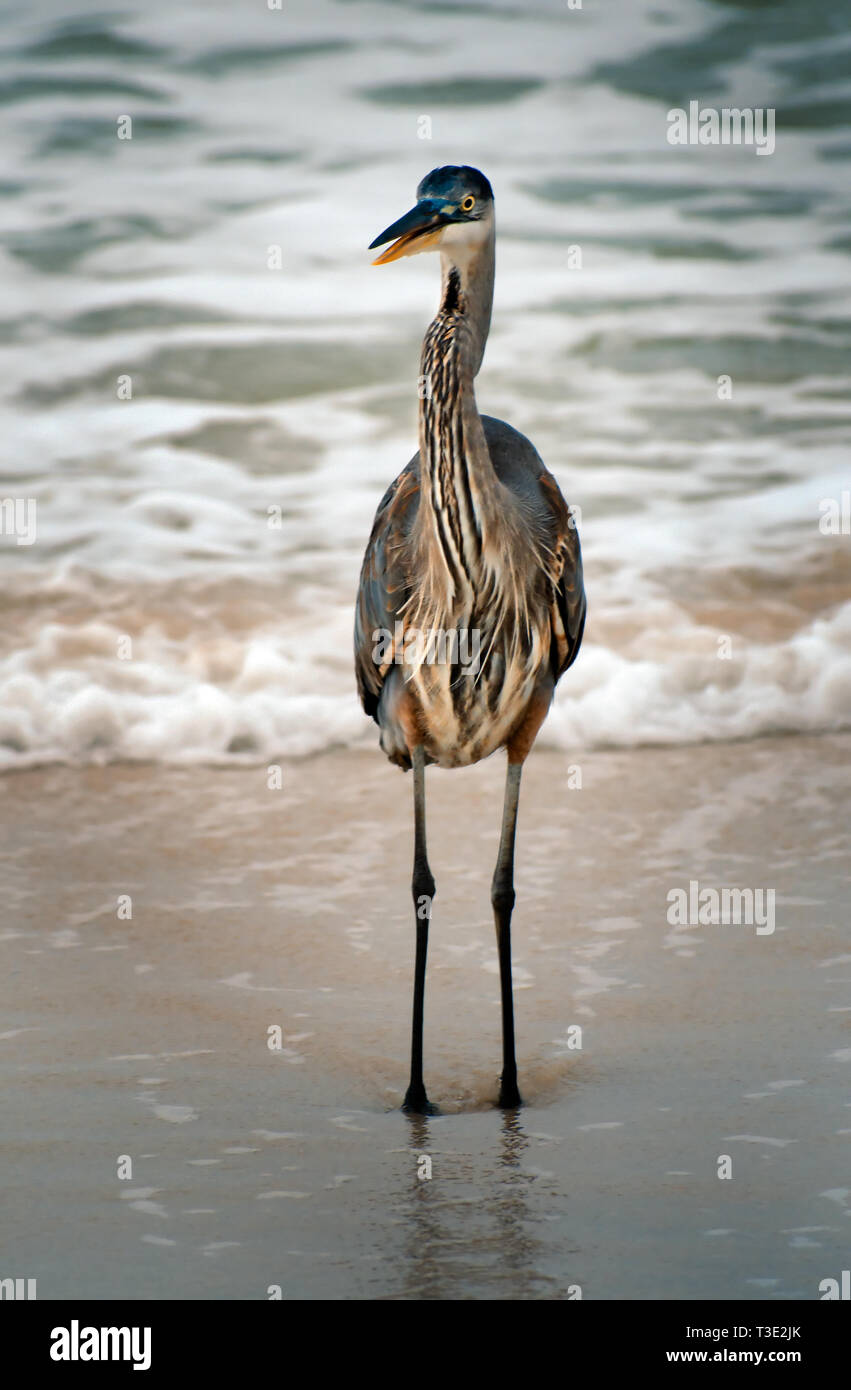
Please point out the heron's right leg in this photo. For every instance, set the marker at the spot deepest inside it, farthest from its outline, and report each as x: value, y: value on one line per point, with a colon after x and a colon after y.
x: 423, y: 889
x: 502, y: 898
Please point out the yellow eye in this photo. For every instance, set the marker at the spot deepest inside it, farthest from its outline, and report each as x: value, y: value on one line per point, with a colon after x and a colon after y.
x: 468, y: 203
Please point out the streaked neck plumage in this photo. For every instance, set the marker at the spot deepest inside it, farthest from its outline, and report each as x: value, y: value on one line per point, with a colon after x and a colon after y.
x: 459, y: 510
x: 474, y: 267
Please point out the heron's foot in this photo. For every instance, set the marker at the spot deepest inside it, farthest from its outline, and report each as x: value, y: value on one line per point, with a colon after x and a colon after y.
x: 417, y: 1102
x: 509, y: 1096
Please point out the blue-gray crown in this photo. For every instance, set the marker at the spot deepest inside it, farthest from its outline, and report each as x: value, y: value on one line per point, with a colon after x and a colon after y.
x: 453, y: 182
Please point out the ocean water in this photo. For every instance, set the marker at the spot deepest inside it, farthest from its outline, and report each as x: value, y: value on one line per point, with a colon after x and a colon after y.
x: 189, y: 589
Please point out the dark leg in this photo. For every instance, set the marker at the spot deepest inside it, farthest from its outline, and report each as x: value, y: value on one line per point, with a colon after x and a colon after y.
x: 502, y: 897
x: 423, y: 889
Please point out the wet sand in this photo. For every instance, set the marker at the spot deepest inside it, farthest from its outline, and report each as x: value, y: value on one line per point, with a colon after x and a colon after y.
x: 255, y: 908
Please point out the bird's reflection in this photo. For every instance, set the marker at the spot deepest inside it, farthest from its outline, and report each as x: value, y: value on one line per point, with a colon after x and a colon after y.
x: 467, y: 1229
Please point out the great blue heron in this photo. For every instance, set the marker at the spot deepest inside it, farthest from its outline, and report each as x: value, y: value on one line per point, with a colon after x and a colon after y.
x: 473, y: 543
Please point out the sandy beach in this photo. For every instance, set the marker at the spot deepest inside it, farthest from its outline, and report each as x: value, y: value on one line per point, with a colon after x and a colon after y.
x: 147, y: 1037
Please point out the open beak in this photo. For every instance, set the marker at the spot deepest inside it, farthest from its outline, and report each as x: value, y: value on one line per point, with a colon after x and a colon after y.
x: 419, y: 230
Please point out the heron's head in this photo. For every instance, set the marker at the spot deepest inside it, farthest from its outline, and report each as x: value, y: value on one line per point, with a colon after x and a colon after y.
x: 453, y: 214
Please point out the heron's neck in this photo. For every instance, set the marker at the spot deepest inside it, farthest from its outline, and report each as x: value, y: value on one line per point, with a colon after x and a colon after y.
x: 474, y: 271
x: 459, y: 510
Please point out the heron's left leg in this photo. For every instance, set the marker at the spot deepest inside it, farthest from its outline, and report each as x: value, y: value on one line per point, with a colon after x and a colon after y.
x: 423, y: 889
x: 502, y: 898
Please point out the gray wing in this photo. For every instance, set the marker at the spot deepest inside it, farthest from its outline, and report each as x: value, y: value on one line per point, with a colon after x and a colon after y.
x: 384, y: 587
x: 520, y: 468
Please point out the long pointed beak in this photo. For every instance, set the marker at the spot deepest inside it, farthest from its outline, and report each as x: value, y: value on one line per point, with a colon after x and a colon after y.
x: 417, y: 231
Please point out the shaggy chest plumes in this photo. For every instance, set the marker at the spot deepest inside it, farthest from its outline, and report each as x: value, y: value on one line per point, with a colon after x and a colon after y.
x: 466, y: 708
